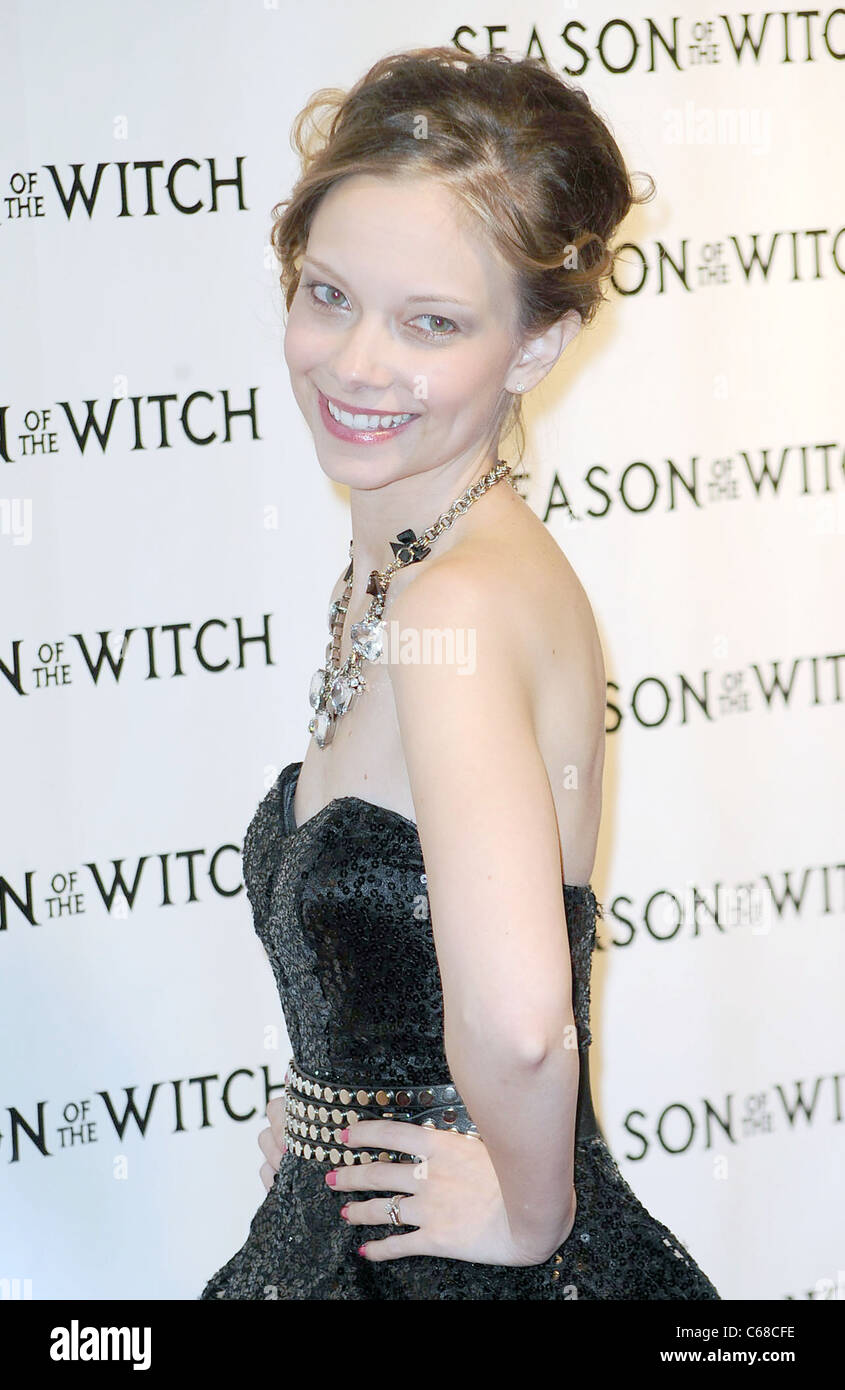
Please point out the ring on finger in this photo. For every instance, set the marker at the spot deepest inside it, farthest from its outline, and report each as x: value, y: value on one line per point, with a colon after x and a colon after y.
x: 394, y: 1215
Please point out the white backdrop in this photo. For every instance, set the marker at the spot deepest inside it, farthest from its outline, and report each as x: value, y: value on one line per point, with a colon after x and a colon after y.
x: 695, y: 432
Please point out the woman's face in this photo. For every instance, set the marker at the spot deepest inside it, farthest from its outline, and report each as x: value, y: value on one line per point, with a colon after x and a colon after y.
x: 402, y: 309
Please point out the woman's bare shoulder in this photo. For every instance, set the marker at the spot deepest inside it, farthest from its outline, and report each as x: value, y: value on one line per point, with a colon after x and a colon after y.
x: 518, y: 580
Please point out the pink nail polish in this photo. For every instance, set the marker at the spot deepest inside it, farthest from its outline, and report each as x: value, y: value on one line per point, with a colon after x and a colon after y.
x: 362, y: 1250
x: 344, y: 1211
x: 331, y: 1179
x: 344, y: 1136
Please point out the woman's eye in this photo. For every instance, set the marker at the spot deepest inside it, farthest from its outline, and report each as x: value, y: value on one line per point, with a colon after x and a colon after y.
x: 438, y: 319
x: 328, y: 303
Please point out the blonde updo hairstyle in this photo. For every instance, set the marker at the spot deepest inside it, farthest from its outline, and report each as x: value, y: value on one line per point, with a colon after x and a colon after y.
x: 519, y: 147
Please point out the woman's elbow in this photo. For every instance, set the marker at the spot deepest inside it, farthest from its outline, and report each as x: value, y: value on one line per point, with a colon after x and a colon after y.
x: 525, y: 1044
x: 535, y: 1046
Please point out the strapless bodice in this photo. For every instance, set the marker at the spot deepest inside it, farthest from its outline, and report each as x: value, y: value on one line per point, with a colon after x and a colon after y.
x: 341, y: 906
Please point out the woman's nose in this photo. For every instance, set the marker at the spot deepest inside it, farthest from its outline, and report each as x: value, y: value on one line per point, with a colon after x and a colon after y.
x: 362, y: 355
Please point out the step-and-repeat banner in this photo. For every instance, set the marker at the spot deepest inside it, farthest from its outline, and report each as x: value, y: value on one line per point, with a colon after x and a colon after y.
x: 168, y: 544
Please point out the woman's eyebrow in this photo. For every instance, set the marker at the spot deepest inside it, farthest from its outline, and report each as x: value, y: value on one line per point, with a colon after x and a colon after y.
x: 411, y: 298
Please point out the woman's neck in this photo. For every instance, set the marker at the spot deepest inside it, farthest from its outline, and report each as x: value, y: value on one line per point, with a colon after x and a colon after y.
x: 379, y: 515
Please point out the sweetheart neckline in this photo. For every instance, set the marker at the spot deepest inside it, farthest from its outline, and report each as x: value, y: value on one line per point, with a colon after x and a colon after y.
x: 291, y: 827
x: 374, y: 805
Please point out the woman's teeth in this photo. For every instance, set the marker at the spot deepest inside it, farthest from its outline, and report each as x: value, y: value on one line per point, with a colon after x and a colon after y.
x: 366, y: 422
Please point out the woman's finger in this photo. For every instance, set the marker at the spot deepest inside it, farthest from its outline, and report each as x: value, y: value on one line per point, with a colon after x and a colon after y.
x: 276, y: 1116
x: 373, y: 1212
x: 394, y: 1247
x: 267, y: 1175
x: 366, y: 1177
x: 393, y: 1134
x: 268, y: 1146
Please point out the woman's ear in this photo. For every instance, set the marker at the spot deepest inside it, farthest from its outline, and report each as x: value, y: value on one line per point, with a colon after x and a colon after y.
x: 537, y: 356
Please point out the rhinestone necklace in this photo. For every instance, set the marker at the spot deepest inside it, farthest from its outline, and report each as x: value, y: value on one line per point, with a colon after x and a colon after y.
x: 334, y: 687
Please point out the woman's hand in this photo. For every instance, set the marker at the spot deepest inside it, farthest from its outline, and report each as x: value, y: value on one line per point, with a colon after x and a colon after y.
x: 453, y: 1197
x: 272, y: 1142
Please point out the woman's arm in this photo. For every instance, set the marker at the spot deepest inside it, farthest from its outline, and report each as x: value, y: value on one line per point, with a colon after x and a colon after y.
x: 489, y: 835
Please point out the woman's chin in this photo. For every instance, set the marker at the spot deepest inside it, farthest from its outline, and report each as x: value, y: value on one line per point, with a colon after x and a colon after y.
x: 361, y: 473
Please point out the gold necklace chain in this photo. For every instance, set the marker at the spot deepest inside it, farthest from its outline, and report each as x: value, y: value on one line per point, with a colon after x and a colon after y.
x: 334, y: 687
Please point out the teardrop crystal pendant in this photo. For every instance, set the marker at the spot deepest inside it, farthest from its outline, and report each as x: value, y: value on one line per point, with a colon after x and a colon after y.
x: 316, y: 688
x: 341, y: 695
x: 322, y: 727
x: 367, y: 638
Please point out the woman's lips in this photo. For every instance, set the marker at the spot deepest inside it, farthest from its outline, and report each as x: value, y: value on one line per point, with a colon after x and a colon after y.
x: 375, y: 436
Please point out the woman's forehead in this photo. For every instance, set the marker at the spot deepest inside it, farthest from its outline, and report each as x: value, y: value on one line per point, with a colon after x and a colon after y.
x: 410, y: 230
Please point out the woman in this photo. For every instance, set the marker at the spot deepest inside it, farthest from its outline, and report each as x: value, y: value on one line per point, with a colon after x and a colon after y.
x: 421, y: 880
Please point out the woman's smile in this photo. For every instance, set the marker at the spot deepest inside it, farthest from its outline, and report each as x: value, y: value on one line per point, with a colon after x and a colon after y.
x: 361, y: 426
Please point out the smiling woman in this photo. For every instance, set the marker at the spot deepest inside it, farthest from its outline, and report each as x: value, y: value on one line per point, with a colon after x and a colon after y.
x: 410, y: 325
x: 426, y: 904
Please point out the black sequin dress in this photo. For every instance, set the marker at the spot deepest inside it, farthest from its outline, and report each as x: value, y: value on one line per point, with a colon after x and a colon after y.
x: 333, y: 903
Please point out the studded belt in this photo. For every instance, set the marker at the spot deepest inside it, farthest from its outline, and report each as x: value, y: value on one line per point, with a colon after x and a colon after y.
x: 316, y: 1112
